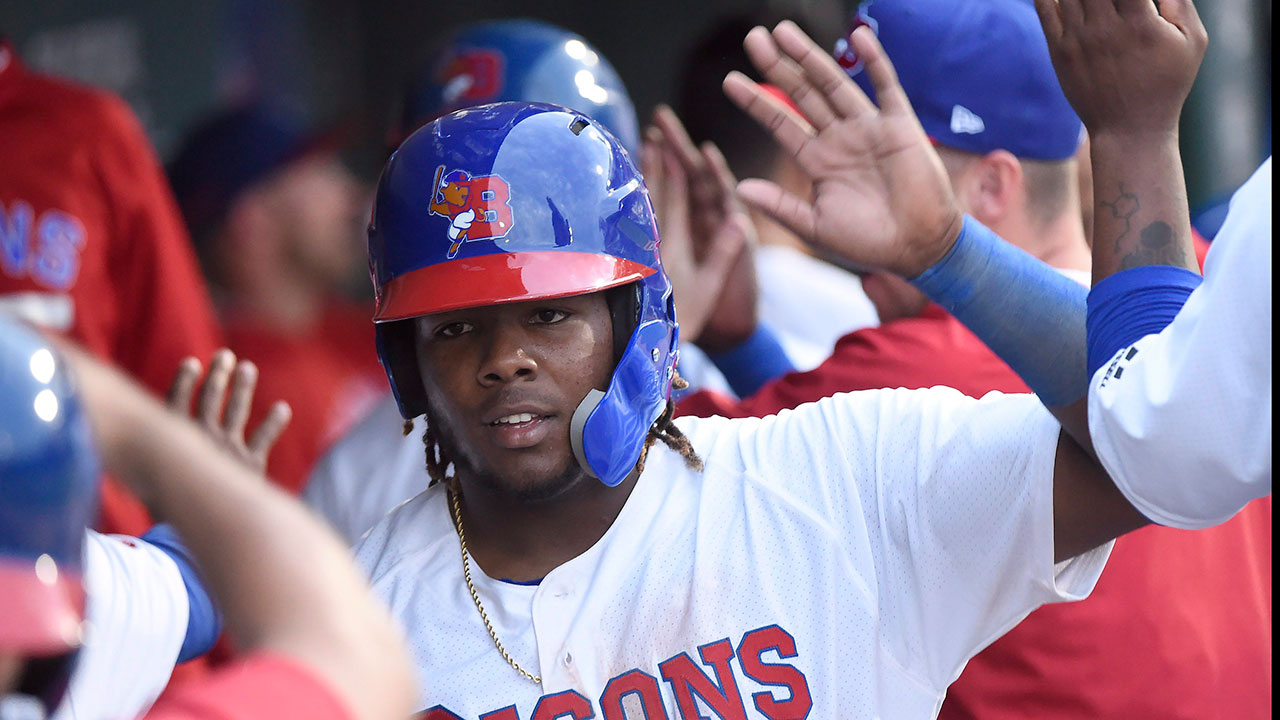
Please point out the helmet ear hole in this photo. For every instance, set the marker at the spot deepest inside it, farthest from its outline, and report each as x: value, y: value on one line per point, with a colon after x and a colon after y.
x: 624, y: 309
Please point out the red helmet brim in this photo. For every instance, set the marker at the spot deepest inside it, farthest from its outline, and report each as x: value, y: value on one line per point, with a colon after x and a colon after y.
x: 39, y: 616
x: 503, y: 278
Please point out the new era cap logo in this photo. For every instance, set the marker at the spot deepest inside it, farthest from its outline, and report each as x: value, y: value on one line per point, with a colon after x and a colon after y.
x: 964, y: 122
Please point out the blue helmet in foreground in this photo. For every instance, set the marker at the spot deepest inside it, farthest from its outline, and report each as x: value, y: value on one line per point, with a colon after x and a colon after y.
x: 517, y: 201
x: 48, y: 496
x: 526, y: 61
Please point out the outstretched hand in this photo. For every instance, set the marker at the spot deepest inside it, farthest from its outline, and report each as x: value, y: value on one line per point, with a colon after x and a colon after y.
x: 881, y: 198
x: 707, y: 234
x: 230, y: 382
x: 1125, y: 65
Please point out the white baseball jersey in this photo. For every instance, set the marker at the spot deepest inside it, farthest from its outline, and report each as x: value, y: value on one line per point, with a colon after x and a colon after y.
x: 841, y: 560
x: 1193, y: 403
x: 136, y: 612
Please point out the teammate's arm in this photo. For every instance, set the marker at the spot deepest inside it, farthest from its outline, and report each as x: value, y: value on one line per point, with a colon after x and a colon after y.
x: 284, y: 582
x: 881, y: 199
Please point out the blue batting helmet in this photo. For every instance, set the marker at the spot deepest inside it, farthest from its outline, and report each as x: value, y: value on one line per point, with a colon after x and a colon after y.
x: 520, y: 60
x: 517, y: 201
x: 48, y: 496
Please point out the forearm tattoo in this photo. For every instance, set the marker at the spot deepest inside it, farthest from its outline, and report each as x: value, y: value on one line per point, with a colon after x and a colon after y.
x: 1157, y: 242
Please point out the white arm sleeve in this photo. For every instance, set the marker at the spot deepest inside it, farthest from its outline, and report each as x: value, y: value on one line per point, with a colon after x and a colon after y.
x: 1182, y: 419
x: 136, y: 621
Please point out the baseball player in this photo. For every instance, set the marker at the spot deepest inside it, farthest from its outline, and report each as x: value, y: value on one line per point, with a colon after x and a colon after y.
x: 316, y: 645
x: 579, y: 554
x: 375, y: 467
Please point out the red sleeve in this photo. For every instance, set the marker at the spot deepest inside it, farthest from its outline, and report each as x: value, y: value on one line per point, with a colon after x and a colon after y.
x: 933, y: 349
x: 261, y: 687
x: 165, y: 309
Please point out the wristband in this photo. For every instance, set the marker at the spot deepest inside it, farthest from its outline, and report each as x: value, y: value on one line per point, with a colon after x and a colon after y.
x: 759, y: 359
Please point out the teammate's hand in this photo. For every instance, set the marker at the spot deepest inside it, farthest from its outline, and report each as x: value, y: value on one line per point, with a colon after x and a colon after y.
x: 706, y: 234
x: 231, y: 382
x: 1125, y: 65
x: 881, y: 198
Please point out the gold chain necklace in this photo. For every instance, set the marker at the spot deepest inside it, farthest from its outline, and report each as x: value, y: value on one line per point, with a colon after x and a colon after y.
x: 466, y: 573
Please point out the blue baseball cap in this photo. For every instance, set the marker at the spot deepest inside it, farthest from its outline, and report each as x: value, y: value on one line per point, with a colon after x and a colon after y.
x: 231, y: 152
x: 977, y: 73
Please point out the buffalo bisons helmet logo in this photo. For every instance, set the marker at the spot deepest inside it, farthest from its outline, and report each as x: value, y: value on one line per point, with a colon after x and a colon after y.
x: 477, y: 207
x: 845, y: 54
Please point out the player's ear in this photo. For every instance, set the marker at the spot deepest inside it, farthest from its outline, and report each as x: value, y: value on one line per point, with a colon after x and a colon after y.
x: 996, y: 187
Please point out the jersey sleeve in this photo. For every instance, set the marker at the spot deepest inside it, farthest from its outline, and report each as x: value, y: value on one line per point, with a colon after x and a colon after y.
x: 163, y: 298
x: 137, y: 620
x: 1182, y: 419
x: 260, y: 687
x: 945, y: 504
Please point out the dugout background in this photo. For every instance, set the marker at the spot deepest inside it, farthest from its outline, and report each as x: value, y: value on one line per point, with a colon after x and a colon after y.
x: 345, y: 60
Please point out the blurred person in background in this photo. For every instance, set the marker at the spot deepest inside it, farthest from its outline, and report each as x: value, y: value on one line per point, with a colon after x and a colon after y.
x: 278, y: 222
x: 91, y: 243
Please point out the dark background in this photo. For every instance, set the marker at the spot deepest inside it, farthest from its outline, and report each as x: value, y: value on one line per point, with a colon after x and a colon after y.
x: 342, y: 60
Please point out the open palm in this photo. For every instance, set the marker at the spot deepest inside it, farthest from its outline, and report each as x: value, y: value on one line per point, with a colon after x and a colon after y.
x: 881, y: 198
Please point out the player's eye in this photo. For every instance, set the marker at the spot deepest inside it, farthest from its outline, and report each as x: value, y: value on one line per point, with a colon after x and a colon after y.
x: 548, y: 316
x: 453, y: 329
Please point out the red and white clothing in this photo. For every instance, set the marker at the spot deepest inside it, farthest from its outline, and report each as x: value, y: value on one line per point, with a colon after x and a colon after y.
x: 91, y: 241
x: 840, y: 560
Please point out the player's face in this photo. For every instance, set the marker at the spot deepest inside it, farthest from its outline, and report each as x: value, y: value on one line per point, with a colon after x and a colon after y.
x: 503, y: 382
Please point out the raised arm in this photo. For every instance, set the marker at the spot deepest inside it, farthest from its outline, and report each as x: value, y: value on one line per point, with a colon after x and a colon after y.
x: 284, y: 582
x: 882, y: 199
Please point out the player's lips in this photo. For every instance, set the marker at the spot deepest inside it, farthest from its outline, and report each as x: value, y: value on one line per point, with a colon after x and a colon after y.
x: 520, y: 426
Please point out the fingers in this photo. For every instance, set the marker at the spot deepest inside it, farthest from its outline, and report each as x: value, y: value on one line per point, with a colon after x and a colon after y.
x: 676, y: 188
x: 1095, y: 12
x: 239, y: 402
x: 677, y: 138
x: 788, y: 129
x: 268, y: 431
x: 889, y: 93
x: 794, y: 213
x: 209, y: 409
x: 1182, y: 13
x: 784, y: 74
x: 1072, y: 15
x: 184, y: 385
x: 1050, y: 19
x: 651, y: 168
x: 822, y: 71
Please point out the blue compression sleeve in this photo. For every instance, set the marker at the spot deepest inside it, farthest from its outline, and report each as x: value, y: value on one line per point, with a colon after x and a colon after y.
x: 204, y: 622
x: 1030, y: 315
x: 1131, y: 304
x: 759, y: 359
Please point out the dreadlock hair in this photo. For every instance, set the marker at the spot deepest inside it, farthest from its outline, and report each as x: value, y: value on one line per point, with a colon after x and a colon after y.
x: 663, y: 429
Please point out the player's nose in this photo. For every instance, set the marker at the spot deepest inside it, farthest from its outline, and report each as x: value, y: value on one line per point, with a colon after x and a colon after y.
x: 506, y: 359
